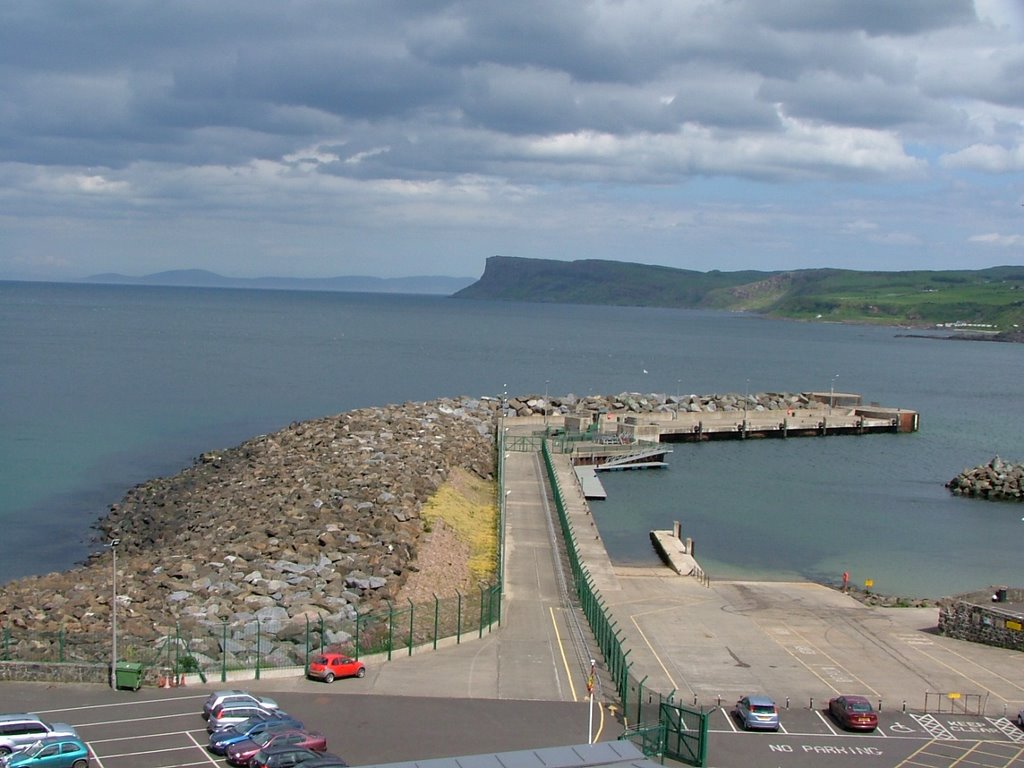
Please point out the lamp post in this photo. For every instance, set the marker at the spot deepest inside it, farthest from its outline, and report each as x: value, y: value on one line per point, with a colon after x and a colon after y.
x: 832, y: 393
x: 546, y: 382
x: 113, y: 614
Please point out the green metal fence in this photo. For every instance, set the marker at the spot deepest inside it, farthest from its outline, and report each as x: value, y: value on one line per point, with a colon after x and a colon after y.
x: 642, y: 706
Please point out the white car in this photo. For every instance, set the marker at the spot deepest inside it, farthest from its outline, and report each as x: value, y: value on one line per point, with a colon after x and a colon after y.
x: 217, y: 698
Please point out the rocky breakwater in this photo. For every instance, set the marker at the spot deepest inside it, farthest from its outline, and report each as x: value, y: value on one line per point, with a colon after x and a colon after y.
x: 635, y: 403
x: 320, y: 519
x: 997, y: 481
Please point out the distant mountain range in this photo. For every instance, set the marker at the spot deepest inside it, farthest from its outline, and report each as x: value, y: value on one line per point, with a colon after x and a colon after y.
x: 982, y: 302
x: 201, y: 278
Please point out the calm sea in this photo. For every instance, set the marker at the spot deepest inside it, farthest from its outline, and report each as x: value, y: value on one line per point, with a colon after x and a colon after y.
x: 102, y: 387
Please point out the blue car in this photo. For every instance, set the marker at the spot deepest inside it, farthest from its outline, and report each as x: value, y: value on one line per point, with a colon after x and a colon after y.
x: 221, y: 740
x: 51, y: 752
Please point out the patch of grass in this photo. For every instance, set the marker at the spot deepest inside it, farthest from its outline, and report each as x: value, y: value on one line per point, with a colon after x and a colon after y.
x: 467, y: 506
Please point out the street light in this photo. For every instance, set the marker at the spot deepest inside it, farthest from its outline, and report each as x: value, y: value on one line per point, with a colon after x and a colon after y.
x: 832, y: 393
x: 113, y: 615
x: 546, y: 382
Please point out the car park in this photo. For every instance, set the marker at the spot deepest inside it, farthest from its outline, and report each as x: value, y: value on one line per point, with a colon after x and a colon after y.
x: 282, y: 757
x: 330, y: 666
x: 51, y: 752
x: 242, y: 752
x: 248, y: 729
x: 232, y: 714
x: 235, y: 696
x: 757, y: 713
x: 854, y: 713
x: 19, y: 730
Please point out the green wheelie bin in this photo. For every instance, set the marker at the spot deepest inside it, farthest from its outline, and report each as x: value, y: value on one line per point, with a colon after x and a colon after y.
x: 128, y: 675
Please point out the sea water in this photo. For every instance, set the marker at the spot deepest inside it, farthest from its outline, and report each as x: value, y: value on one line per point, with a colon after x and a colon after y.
x: 103, y: 387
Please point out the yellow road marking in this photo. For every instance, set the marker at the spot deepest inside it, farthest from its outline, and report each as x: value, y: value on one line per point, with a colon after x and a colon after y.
x: 965, y: 677
x: 561, y: 649
x: 657, y: 658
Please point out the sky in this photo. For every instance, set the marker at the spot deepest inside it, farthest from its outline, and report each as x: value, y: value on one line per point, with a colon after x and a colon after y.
x: 318, y: 138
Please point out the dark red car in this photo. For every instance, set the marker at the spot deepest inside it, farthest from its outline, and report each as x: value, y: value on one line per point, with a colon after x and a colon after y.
x: 242, y: 752
x: 854, y: 713
x: 328, y: 666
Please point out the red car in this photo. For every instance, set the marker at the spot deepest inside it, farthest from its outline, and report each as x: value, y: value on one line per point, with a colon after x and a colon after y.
x: 242, y: 752
x: 854, y: 713
x: 328, y: 666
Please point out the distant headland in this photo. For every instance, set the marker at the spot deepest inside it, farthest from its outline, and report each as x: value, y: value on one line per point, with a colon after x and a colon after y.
x: 987, y: 303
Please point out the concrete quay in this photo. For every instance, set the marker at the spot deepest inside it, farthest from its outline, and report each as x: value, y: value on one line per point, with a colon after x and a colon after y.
x: 801, y: 643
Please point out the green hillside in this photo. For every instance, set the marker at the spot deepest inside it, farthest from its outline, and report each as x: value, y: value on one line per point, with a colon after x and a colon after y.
x: 982, y: 301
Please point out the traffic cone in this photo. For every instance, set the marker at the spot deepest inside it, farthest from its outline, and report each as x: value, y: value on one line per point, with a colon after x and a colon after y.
x: 164, y: 682
x: 181, y: 680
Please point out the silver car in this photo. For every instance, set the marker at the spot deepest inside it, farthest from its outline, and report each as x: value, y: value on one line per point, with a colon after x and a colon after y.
x: 235, y: 696
x: 757, y: 713
x: 17, y: 731
x: 231, y: 714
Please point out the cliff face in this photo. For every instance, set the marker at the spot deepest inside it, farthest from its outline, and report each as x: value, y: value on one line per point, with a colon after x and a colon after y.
x: 985, y: 303
x: 595, y: 281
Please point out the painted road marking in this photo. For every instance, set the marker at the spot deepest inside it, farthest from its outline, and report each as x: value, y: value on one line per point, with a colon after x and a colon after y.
x: 934, y: 728
x: 833, y: 675
x: 1008, y: 728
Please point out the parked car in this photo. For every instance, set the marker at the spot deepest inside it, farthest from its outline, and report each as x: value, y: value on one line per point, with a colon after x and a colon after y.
x: 21, y: 729
x: 240, y: 753
x: 854, y: 713
x: 757, y: 713
x: 282, y: 757
x: 231, y: 714
x: 329, y: 666
x: 217, y: 698
x: 51, y: 752
x: 247, y: 729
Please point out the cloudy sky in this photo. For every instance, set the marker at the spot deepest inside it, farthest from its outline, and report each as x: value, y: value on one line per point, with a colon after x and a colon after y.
x: 418, y: 137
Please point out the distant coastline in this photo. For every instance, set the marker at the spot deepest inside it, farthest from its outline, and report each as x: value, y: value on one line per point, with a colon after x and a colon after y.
x: 201, y: 278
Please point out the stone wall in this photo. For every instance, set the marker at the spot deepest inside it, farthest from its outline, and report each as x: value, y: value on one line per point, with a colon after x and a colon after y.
x: 976, y: 617
x: 44, y: 672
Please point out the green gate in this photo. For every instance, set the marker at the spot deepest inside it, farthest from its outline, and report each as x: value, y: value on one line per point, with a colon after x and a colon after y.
x: 686, y: 733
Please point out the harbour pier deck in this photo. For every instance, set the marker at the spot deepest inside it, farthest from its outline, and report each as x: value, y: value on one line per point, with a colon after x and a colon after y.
x: 826, y: 414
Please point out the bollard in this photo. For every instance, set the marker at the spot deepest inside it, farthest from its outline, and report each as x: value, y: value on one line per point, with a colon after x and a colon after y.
x: 787, y: 702
x: 904, y: 706
x: 695, y: 699
x: 811, y: 705
x: 879, y: 703
x: 719, y: 701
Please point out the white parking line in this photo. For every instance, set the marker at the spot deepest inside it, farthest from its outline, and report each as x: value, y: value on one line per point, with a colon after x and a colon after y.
x: 205, y: 753
x: 148, y: 736
x: 826, y: 722
x: 728, y: 718
x: 134, y: 720
x: 132, y: 703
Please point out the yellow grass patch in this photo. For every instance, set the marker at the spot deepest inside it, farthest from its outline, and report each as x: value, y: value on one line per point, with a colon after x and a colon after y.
x: 467, y: 506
